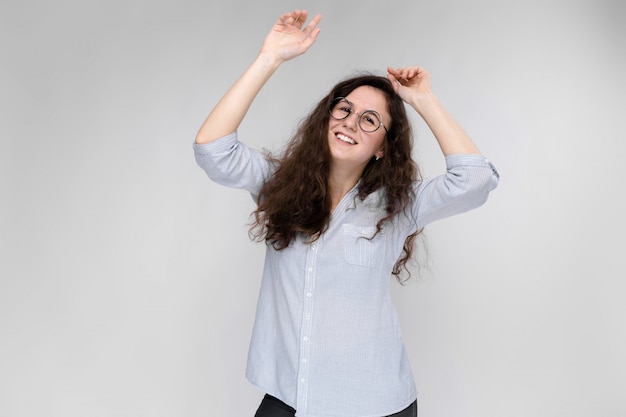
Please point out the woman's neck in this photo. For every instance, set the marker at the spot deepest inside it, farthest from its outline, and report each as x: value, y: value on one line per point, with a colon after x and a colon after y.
x: 339, y: 183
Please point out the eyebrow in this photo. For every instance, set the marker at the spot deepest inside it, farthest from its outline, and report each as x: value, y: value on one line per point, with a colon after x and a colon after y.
x: 352, y: 104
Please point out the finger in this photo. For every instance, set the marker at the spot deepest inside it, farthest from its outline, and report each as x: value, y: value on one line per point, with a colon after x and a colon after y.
x: 299, y: 17
x: 397, y: 74
x: 391, y: 70
x: 283, y: 19
x: 421, y: 73
x: 400, y: 74
x: 291, y: 18
x: 312, y: 26
x: 392, y: 79
x: 311, y: 38
x: 411, y: 73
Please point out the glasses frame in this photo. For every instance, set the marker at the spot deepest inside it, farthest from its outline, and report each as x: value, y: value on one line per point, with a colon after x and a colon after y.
x: 360, y: 115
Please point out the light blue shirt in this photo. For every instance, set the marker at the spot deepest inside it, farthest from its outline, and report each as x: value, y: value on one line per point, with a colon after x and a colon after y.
x: 326, y: 338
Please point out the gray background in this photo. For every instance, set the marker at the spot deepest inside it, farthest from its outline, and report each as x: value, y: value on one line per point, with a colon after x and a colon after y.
x: 128, y: 283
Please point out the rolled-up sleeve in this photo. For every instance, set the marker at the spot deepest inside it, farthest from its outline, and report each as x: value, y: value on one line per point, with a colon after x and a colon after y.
x: 466, y: 185
x: 229, y: 162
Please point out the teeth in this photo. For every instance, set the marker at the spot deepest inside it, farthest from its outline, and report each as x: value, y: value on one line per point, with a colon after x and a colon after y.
x: 345, y: 139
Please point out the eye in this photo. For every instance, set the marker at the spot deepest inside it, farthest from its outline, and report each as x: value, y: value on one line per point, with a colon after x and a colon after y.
x: 341, y: 110
x: 370, y: 119
x: 344, y: 109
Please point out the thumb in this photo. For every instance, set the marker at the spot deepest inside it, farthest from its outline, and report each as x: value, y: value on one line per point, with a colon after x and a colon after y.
x: 394, y: 81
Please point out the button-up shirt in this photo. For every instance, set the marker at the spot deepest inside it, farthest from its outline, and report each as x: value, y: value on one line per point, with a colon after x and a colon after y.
x: 326, y: 338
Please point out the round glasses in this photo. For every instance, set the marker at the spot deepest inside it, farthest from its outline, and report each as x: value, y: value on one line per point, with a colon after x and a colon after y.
x: 369, y: 121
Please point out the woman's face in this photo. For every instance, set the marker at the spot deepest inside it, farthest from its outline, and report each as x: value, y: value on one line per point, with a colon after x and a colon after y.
x: 349, y: 145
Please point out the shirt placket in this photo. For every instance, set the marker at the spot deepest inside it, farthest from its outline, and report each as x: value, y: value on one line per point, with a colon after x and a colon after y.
x: 306, y: 326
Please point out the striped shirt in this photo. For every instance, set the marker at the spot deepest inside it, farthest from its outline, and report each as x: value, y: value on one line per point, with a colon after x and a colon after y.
x: 326, y: 338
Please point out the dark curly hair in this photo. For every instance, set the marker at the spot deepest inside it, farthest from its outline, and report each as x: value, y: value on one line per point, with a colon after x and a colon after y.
x: 296, y: 199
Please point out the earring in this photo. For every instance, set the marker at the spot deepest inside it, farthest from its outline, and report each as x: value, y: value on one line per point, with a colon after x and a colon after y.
x: 377, y: 158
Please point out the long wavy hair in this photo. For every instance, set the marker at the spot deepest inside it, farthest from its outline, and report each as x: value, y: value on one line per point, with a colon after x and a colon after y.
x: 296, y: 200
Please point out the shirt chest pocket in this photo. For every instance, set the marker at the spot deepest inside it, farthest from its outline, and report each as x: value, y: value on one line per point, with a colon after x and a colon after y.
x: 359, y: 248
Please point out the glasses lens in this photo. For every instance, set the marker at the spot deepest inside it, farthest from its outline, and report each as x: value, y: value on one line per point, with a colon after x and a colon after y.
x: 341, y: 109
x: 369, y: 121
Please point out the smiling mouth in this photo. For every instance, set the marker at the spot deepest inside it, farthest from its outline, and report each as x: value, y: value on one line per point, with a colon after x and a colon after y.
x: 345, y: 139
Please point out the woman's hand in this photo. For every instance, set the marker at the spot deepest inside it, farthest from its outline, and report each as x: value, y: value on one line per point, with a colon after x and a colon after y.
x: 410, y: 83
x: 288, y: 39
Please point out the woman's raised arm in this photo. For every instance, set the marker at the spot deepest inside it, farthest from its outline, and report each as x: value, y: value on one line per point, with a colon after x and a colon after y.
x: 287, y: 39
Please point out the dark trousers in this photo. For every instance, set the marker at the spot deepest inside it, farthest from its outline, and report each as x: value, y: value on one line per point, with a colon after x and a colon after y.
x: 273, y: 407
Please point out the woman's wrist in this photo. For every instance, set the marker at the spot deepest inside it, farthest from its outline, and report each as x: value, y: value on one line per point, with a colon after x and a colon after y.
x: 424, y: 102
x: 269, y: 60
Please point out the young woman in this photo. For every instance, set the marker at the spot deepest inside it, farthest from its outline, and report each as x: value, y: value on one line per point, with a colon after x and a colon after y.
x: 338, y: 211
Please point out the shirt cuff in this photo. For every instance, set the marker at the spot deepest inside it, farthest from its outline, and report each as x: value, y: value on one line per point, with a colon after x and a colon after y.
x: 471, y: 160
x: 217, y: 146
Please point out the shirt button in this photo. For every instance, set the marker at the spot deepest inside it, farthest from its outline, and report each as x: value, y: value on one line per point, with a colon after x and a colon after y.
x: 304, y: 361
x: 309, y: 295
x: 313, y: 247
x: 310, y: 269
x: 302, y: 380
x: 305, y: 338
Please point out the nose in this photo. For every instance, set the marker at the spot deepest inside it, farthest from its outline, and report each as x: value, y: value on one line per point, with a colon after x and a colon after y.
x: 350, y: 122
